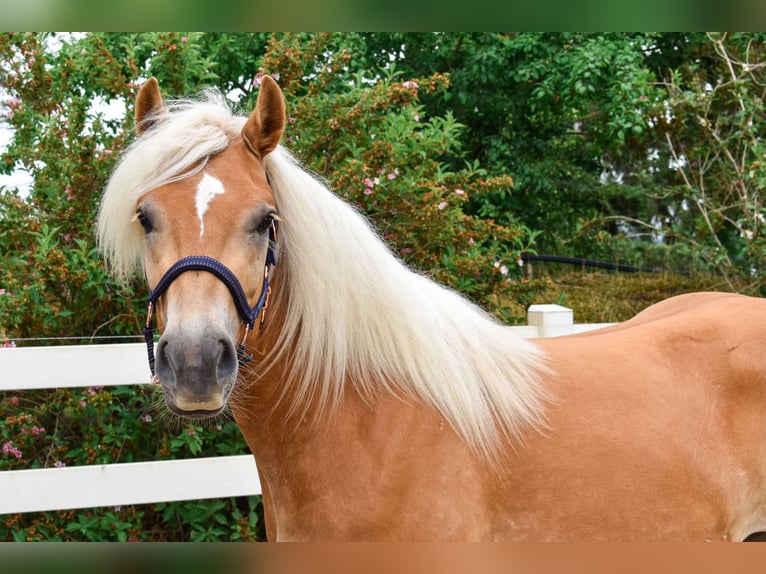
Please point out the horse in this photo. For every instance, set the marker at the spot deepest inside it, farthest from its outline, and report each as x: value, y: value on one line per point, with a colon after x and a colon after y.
x: 380, y: 405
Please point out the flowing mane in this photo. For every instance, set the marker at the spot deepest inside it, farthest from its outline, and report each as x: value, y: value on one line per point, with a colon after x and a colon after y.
x: 353, y: 312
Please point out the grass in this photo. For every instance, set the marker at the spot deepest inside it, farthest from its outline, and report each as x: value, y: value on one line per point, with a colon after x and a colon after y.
x: 605, y: 297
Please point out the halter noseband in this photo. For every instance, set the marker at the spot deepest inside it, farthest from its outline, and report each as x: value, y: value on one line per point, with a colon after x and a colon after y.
x: 203, y: 263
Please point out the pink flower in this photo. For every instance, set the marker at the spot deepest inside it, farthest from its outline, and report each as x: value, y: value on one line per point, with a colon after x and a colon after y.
x: 184, y: 39
x: 393, y: 174
x: 460, y: 192
x: 442, y: 205
x: 83, y: 404
x: 520, y: 262
x: 59, y: 464
x: 410, y: 84
x: 257, y: 80
x: 368, y: 182
x: 8, y: 448
x: 2, y: 291
x: 368, y: 191
x: 191, y: 432
x: 415, y: 116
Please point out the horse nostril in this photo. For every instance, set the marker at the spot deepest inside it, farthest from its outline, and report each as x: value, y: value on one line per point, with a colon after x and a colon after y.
x: 165, y: 369
x: 227, y: 360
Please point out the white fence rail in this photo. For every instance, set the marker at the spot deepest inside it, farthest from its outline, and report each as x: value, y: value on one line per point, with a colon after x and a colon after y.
x: 45, y: 489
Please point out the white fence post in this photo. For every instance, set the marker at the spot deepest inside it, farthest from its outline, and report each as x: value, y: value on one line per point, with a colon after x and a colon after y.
x: 550, y: 320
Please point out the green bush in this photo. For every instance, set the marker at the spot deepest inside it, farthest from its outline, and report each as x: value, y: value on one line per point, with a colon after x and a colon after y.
x: 377, y: 148
x: 102, y: 425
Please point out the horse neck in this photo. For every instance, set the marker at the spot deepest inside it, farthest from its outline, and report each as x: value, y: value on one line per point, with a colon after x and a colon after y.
x: 378, y: 440
x: 263, y: 401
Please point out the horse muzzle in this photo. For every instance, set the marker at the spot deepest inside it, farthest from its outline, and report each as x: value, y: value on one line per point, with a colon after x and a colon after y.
x: 196, y: 372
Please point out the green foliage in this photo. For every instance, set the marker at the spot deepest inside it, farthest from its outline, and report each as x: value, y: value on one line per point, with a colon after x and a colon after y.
x: 609, y: 135
x: 553, y: 110
x: 102, y: 425
x: 717, y: 144
x: 380, y: 150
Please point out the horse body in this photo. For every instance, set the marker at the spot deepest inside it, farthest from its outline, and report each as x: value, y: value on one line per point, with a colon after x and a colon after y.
x: 380, y: 406
x: 657, y: 429
x: 660, y: 438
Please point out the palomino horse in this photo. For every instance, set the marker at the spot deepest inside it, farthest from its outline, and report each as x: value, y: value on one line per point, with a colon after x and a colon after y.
x: 382, y: 406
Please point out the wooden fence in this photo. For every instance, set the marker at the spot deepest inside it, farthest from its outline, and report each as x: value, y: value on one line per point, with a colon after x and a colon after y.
x: 28, y: 368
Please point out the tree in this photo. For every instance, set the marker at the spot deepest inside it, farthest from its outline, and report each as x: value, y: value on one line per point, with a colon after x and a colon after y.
x: 715, y: 140
x: 555, y: 111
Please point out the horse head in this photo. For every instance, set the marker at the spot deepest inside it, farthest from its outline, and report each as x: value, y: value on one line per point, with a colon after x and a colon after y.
x: 208, y: 243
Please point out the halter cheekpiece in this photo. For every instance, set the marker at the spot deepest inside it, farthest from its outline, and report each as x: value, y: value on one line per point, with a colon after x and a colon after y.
x: 248, y: 314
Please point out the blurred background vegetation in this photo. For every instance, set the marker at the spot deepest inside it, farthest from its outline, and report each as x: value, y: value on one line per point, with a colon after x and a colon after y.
x: 469, y: 151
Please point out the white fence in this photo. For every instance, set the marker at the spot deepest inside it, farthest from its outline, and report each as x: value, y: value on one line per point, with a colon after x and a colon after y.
x: 45, y: 489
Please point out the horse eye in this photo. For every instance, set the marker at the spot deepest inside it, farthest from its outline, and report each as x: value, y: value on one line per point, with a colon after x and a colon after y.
x: 265, y: 223
x: 145, y: 222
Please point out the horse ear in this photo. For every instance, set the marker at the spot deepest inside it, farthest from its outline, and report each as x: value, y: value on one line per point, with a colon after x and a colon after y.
x: 148, y: 104
x: 265, y: 125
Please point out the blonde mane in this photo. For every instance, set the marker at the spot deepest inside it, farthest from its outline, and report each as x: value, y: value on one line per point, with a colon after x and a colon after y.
x: 354, y: 313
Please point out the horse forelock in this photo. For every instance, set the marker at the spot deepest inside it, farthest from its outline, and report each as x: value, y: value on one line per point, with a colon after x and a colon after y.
x: 184, y: 135
x: 355, y: 314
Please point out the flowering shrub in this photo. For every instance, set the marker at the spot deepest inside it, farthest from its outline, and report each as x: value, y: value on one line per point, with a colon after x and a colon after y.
x: 101, y: 425
x: 378, y: 149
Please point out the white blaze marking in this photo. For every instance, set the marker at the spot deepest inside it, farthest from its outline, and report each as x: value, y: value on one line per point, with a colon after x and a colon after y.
x: 207, y: 189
